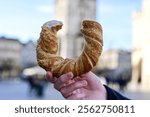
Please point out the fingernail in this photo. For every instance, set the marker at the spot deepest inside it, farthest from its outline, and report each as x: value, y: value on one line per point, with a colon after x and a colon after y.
x: 84, y: 83
x: 69, y: 74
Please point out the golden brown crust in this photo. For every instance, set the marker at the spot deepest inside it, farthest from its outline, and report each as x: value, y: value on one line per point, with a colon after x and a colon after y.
x: 47, y: 48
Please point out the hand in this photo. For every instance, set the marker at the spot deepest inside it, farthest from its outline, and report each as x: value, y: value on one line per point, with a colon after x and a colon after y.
x: 86, y: 86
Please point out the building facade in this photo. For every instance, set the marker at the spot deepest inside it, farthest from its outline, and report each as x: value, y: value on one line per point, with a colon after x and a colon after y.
x: 141, y: 47
x: 115, y: 59
x: 71, y: 13
x: 28, y: 55
x: 10, y: 50
x: 15, y: 56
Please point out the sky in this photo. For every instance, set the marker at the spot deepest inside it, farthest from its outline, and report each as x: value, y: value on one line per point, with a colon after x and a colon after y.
x: 22, y: 19
x: 116, y: 17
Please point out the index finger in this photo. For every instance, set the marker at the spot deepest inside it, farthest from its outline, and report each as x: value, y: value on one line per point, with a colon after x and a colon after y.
x: 50, y: 78
x: 63, y: 80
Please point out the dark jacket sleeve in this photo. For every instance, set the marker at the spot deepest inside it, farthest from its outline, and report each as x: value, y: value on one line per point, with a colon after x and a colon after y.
x: 114, y: 95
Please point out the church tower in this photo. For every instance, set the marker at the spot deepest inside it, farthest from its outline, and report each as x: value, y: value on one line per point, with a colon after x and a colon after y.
x: 71, y: 13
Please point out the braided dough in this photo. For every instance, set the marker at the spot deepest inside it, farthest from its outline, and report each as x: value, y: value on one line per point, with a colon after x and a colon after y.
x: 47, y: 48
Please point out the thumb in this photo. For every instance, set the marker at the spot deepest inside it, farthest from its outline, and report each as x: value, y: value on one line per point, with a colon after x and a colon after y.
x: 92, y: 79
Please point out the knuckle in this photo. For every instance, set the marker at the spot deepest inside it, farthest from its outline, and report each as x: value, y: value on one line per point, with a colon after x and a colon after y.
x: 80, y: 96
x: 62, y: 78
x: 77, y: 84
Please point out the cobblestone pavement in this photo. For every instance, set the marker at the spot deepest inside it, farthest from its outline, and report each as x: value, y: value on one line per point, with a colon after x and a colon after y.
x: 19, y: 90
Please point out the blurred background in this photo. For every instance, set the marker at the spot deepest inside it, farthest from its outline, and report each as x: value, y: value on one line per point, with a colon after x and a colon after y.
x: 123, y: 65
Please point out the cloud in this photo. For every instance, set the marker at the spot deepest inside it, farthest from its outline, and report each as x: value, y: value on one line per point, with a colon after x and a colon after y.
x: 48, y: 9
